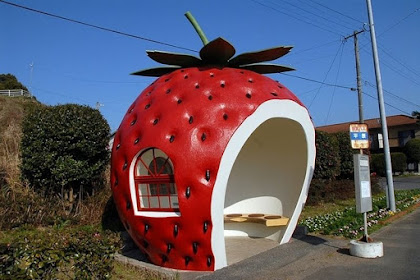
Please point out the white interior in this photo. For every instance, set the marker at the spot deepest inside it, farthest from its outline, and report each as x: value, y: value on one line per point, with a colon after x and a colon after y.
x: 267, y: 177
x: 266, y: 168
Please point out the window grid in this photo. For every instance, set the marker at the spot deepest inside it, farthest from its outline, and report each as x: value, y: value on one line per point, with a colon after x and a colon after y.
x: 156, y: 190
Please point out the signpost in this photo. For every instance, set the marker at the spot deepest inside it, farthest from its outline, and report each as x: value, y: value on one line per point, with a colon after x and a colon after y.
x: 359, y: 137
x: 362, y: 184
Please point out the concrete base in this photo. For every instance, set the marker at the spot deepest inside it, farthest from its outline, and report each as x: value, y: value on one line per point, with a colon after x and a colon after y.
x: 366, y: 249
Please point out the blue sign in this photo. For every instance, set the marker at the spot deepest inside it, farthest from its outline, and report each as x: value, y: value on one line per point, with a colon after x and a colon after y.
x: 359, y: 136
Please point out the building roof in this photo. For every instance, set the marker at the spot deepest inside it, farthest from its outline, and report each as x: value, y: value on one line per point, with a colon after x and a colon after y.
x: 391, y: 121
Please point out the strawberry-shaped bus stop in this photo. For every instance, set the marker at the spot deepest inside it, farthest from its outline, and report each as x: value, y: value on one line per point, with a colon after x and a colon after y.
x: 211, y: 149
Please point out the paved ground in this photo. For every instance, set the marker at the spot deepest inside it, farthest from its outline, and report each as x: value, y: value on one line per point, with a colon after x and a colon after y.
x: 403, y: 183
x: 315, y: 258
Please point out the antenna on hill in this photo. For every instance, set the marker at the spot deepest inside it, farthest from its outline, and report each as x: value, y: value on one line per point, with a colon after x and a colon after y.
x: 30, y: 79
x: 99, y: 105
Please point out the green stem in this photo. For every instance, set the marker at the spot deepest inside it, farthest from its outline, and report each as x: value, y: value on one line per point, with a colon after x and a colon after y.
x: 197, y: 28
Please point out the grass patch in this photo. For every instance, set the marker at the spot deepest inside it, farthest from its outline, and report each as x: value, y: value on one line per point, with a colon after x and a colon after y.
x: 57, y: 253
x: 341, y: 219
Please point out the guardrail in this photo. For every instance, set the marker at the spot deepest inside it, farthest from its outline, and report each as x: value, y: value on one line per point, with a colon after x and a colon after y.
x: 15, y: 92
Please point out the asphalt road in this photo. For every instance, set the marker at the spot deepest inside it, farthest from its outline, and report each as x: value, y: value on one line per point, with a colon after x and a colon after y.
x: 314, y: 258
x: 403, y: 183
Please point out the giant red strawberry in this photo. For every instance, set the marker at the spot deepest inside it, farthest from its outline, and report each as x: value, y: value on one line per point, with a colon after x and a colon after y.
x: 171, y: 150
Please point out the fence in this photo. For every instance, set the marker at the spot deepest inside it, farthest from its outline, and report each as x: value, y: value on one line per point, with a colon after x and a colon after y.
x: 15, y: 92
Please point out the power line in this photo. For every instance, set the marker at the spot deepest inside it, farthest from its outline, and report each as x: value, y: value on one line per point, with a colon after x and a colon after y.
x: 326, y: 7
x: 316, y: 15
x: 305, y: 17
x: 398, y: 22
x: 96, y: 26
x: 394, y: 70
x: 398, y: 61
x: 391, y: 56
x: 336, y: 79
x: 352, y: 89
x: 314, y: 47
x: 319, y: 82
x: 297, y: 18
x: 61, y: 95
x: 392, y: 106
x: 395, y: 24
x: 323, y: 11
x: 326, y: 75
x: 394, y: 95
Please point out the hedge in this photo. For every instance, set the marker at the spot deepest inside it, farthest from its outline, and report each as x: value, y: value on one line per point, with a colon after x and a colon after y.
x: 345, y: 152
x: 377, y: 164
x: 64, y: 147
x: 412, y: 150
x: 327, y: 162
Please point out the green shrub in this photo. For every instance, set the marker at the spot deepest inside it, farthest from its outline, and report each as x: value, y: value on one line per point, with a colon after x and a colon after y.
x: 398, y: 162
x: 9, y: 81
x: 377, y: 164
x: 78, y: 253
x: 325, y: 191
x: 327, y: 162
x: 412, y: 150
x: 64, y: 147
x: 27, y: 258
x: 345, y: 152
x: 322, y: 190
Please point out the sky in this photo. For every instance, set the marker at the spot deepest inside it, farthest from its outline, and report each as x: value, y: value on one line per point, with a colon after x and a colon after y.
x: 65, y: 62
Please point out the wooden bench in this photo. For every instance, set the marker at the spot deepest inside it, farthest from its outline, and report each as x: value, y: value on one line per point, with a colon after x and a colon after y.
x: 265, y: 219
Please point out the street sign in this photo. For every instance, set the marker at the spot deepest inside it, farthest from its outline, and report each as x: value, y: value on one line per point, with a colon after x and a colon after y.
x: 362, y: 183
x: 359, y: 136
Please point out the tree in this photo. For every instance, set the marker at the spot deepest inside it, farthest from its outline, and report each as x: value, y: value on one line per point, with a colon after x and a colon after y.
x: 64, y: 148
x: 9, y: 81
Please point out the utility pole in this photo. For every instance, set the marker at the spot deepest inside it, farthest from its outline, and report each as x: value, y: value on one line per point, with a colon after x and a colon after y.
x: 358, y: 77
x: 390, y: 182
x: 361, y: 118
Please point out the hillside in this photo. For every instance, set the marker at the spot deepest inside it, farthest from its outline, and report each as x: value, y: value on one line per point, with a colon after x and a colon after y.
x: 12, y: 110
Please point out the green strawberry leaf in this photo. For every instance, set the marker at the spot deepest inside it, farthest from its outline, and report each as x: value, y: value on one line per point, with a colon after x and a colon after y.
x: 260, y: 56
